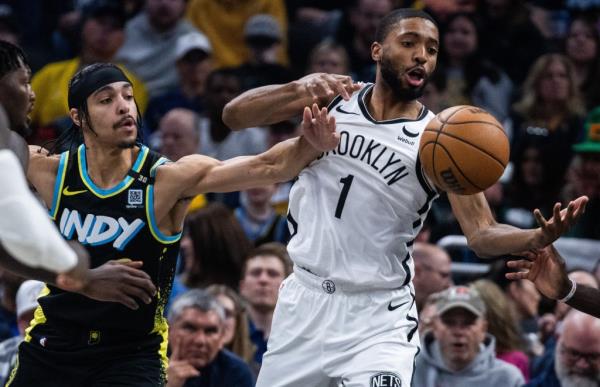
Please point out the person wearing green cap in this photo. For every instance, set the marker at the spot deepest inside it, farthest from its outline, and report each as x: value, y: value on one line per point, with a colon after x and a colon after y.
x: 583, y: 178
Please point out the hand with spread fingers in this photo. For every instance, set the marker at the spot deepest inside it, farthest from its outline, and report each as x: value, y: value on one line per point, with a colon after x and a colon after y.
x: 323, y: 87
x: 551, y: 229
x: 319, y: 128
x: 545, y: 268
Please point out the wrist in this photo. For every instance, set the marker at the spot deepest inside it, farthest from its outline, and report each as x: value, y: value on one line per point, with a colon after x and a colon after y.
x: 570, y: 293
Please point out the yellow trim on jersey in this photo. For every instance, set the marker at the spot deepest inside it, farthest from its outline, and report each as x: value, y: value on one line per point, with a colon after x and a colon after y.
x: 124, y: 184
x: 13, y: 372
x: 161, y: 327
x: 38, y: 316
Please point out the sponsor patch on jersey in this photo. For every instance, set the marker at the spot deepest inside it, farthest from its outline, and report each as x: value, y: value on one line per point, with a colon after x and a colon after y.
x: 385, y: 379
x: 135, y: 197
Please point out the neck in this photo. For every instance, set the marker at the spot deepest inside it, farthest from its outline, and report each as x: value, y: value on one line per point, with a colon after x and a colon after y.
x: 88, y: 57
x: 581, y: 72
x: 107, y: 166
x: 191, y: 90
x: 261, y: 319
x: 259, y: 211
x: 383, y: 104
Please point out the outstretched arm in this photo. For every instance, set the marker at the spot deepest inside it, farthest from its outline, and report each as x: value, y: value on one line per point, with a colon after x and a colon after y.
x: 547, y: 270
x: 274, y: 103
x: 488, y: 238
x: 196, y: 174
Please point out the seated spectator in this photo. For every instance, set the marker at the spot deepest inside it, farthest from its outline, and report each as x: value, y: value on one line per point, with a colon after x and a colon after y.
x: 264, y: 270
x: 151, y: 44
x: 9, y: 284
x: 432, y: 271
x: 263, y: 38
x: 258, y: 218
x: 26, y: 304
x: 195, y: 338
x: 583, y: 178
x: 459, y: 351
x: 224, y: 21
x: 178, y: 134
x: 101, y: 36
x: 236, y: 335
x: 576, y: 361
x: 193, y: 63
x: 214, y: 247
x: 502, y: 324
x: 329, y: 57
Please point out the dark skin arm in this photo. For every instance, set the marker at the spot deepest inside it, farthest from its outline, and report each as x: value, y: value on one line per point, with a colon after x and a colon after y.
x: 547, y: 270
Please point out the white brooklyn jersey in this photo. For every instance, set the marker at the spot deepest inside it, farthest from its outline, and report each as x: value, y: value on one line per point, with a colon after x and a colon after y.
x: 354, y: 212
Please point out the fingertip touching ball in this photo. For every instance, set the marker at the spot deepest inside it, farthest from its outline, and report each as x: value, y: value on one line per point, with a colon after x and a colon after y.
x: 464, y: 150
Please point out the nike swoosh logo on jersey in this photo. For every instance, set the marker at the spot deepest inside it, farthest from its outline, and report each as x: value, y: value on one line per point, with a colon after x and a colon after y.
x: 409, y: 134
x: 339, y: 109
x: 392, y: 308
x: 66, y: 192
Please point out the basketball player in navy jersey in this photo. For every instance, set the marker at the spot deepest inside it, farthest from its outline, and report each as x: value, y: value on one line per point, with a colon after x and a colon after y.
x: 126, y: 203
x: 347, y: 315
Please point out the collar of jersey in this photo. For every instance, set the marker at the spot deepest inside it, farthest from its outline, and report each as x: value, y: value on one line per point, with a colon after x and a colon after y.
x: 368, y: 116
x: 126, y: 182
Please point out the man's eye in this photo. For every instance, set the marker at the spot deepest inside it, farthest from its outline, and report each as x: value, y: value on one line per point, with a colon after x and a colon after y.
x: 105, y: 101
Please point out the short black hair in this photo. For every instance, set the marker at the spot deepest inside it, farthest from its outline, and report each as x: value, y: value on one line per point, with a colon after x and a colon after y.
x: 391, y: 19
x: 11, y: 58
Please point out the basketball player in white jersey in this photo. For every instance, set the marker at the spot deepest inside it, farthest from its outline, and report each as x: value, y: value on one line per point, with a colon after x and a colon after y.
x: 347, y: 316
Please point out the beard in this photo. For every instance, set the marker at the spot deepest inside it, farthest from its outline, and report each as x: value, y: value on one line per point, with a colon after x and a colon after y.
x: 390, y: 76
x: 567, y: 379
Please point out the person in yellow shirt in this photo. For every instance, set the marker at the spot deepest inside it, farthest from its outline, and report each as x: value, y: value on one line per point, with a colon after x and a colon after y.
x: 102, y: 34
x: 223, y: 23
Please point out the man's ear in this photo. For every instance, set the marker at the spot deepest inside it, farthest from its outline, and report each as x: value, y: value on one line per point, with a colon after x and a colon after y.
x: 376, y: 51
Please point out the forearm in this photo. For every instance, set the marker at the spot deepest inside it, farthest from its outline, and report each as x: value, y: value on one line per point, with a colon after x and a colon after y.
x: 586, y: 299
x: 16, y: 267
x: 500, y: 239
x: 290, y: 157
x: 266, y: 105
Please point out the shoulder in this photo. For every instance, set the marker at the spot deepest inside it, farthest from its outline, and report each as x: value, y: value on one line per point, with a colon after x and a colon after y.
x: 508, y: 371
x: 55, y: 69
x: 235, y: 366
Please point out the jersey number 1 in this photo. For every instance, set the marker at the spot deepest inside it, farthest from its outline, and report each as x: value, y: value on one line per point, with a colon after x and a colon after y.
x: 347, y: 182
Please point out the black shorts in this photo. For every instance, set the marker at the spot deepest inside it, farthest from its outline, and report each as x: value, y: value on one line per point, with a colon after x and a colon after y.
x: 130, y: 364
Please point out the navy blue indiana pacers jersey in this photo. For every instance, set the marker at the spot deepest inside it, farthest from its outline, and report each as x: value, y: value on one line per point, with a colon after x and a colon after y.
x: 112, y: 224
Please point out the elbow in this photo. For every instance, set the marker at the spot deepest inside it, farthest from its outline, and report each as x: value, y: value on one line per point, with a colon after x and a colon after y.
x: 479, y: 244
x: 231, y: 116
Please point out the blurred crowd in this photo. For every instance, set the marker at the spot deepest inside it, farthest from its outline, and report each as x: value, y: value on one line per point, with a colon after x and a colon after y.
x: 534, y: 65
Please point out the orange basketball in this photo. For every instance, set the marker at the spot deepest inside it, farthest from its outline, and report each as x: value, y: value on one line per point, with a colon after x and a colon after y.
x: 464, y: 150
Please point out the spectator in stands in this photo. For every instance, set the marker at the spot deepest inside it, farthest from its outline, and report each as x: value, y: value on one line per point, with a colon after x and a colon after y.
x: 150, y: 46
x: 534, y: 183
x: 582, y: 46
x: 263, y: 38
x: 236, y: 335
x: 101, y: 36
x: 9, y: 26
x: 459, y: 351
x: 432, y: 271
x: 471, y: 79
x: 214, y: 247
x: 195, y: 338
x: 26, y: 302
x: 9, y: 284
x: 357, y: 31
x: 216, y: 139
x: 525, y: 299
x: 550, y: 109
x: 329, y: 57
x: 576, y: 361
x: 178, y: 134
x: 193, y: 63
x: 264, y: 270
x: 583, y: 177
x: 258, y: 218
x: 510, y: 39
x: 428, y: 313
x: 502, y: 324
x: 224, y: 22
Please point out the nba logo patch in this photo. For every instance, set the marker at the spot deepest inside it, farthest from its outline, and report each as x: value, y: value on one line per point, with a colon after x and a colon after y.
x: 385, y: 379
x: 134, y: 197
